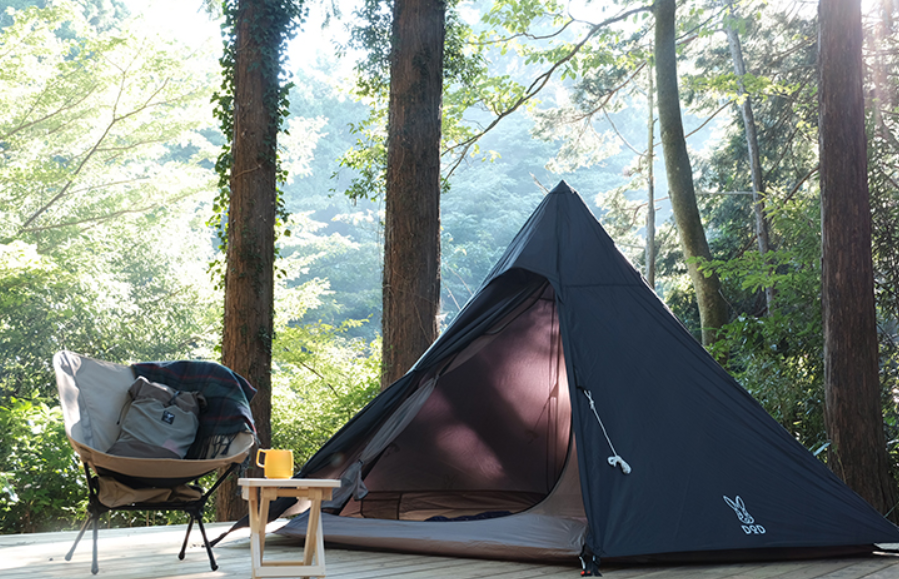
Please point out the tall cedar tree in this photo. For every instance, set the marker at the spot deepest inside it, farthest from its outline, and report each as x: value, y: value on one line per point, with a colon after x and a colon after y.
x: 712, y: 309
x: 411, y: 284
x: 249, y: 278
x: 852, y: 387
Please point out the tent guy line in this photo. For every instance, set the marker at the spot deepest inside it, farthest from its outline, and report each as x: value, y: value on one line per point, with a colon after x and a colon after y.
x: 615, y: 460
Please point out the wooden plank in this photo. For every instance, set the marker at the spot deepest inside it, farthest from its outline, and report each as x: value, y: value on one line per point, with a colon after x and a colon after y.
x: 864, y: 568
x: 708, y: 571
x: 300, y: 483
x: 891, y: 572
x: 151, y: 553
x: 796, y: 569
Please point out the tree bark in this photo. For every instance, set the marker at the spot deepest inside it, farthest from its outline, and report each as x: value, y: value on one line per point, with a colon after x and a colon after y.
x: 853, y: 412
x: 411, y: 284
x: 712, y: 309
x: 752, y: 144
x: 650, y: 189
x: 249, y: 279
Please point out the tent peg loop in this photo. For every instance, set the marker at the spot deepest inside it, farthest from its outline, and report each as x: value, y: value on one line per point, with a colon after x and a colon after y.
x: 589, y: 563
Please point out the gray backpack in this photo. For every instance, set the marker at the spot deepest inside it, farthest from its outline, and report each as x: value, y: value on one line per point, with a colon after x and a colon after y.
x: 157, y: 422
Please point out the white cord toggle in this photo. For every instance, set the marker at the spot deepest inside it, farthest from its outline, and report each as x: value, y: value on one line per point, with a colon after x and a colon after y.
x: 618, y: 461
x: 614, y: 460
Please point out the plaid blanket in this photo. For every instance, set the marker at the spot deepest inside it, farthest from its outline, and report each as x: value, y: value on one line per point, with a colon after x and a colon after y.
x: 227, y: 396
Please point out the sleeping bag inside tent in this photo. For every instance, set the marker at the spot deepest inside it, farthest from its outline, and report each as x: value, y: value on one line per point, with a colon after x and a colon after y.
x: 566, y: 410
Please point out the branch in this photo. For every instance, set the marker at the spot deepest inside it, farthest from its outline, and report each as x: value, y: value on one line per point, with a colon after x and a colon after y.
x: 708, y: 120
x: 68, y: 184
x: 320, y: 377
x: 799, y: 183
x: 526, y: 35
x: 131, y: 145
x: 620, y: 136
x: 608, y: 96
x: 65, y: 107
x: 92, y: 220
x: 96, y: 147
x: 535, y: 87
x: 690, y: 35
x: 109, y: 184
x: 100, y: 218
x: 784, y: 150
x: 539, y: 184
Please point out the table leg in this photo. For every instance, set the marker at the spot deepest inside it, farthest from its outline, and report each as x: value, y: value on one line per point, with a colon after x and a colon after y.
x: 256, y: 534
x: 266, y: 495
x: 313, y: 529
x: 259, y: 499
x: 320, y: 535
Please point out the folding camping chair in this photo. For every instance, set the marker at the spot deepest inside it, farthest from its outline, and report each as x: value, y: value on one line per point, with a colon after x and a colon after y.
x: 95, y: 401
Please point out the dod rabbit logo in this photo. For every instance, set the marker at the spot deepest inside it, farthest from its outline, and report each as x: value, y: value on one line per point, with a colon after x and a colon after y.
x: 749, y: 526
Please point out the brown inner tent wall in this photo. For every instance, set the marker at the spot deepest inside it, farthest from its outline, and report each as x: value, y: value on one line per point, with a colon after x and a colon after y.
x: 493, y: 436
x: 477, y: 460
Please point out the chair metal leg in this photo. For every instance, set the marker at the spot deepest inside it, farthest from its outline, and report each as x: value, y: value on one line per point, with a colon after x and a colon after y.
x: 212, y: 562
x: 193, y: 508
x: 87, y: 521
x: 93, y: 520
x: 95, y: 567
x: 196, y: 514
x: 94, y: 510
x: 190, y: 525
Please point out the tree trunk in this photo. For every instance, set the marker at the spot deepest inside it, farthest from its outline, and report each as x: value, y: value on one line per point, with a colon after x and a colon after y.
x: 752, y: 144
x: 712, y: 309
x: 650, y: 188
x: 249, y: 279
x: 853, y: 413
x: 411, y: 284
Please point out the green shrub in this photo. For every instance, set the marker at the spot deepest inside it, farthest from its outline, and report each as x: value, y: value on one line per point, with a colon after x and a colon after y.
x: 321, y: 380
x: 42, y: 487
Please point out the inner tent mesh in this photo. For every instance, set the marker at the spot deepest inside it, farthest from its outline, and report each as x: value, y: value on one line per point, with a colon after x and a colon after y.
x: 491, y: 439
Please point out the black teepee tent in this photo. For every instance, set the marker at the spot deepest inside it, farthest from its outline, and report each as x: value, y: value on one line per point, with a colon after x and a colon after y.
x: 567, y: 408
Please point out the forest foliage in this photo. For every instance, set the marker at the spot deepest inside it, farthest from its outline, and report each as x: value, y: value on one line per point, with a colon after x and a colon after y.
x: 107, y: 152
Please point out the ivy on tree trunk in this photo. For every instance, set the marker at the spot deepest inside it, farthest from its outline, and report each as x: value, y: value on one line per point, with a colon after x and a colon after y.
x: 251, y: 107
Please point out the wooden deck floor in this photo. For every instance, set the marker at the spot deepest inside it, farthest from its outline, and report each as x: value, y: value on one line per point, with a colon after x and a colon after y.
x: 150, y: 553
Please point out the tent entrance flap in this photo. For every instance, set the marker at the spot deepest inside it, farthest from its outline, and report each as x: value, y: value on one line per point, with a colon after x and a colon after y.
x: 492, y: 437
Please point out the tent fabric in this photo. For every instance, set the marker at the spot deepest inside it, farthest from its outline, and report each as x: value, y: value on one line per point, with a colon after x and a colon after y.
x: 520, y: 537
x: 566, y: 361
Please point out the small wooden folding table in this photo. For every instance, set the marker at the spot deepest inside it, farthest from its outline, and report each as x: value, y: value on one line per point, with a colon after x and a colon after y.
x: 259, y: 492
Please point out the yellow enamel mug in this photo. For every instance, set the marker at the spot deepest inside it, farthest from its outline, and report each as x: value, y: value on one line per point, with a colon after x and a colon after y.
x: 277, y: 463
